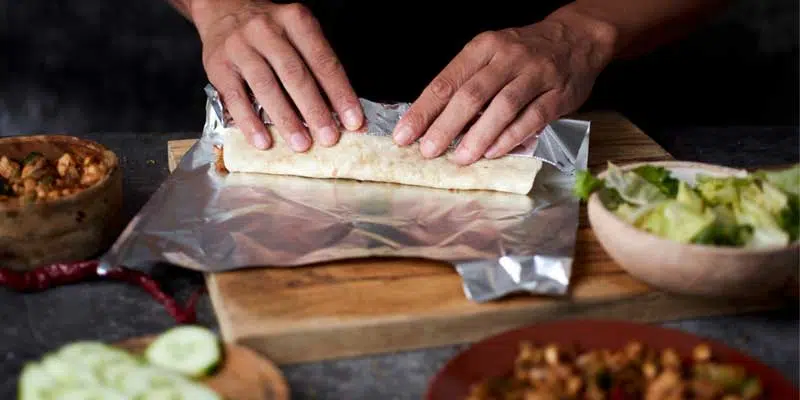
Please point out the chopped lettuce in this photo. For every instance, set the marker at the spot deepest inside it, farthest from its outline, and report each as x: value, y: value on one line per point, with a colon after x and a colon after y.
x: 659, y: 177
x: 716, y: 190
x: 585, y: 184
x: 676, y: 221
x: 632, y: 187
x: 787, y: 180
x: 759, y: 210
x: 689, y: 198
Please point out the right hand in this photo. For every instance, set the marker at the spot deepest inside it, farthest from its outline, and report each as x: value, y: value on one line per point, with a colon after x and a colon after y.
x: 279, y: 51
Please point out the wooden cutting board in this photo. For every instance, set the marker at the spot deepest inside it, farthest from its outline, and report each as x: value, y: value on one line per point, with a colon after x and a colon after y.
x: 360, y: 307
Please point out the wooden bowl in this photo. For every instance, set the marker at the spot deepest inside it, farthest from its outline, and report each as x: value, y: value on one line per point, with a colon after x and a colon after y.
x: 687, y: 268
x: 244, y: 375
x: 72, y: 228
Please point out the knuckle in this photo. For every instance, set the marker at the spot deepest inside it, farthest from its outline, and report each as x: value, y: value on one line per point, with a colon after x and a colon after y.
x: 488, y: 39
x: 548, y: 66
x: 286, y: 123
x: 511, y: 100
x: 297, y: 12
x: 518, y: 50
x: 539, y: 115
x: 473, y: 94
x: 295, y: 71
x: 516, y: 134
x: 443, y: 88
x: 263, y: 83
x: 318, y: 114
x: 234, y: 41
x: 327, y: 64
x: 258, y: 25
x: 231, y: 95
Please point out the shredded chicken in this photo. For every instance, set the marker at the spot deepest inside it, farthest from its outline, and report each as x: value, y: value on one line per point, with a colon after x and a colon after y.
x: 36, y: 179
x: 634, y: 372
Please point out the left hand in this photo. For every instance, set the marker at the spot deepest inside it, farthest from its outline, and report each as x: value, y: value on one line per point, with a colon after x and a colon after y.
x: 528, y: 76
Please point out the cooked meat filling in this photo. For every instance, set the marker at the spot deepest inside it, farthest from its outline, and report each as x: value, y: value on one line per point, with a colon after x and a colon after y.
x: 634, y: 372
x: 37, y: 179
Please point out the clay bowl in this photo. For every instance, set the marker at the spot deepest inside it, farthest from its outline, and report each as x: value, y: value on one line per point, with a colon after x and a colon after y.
x: 244, y: 375
x: 72, y: 228
x: 693, y: 269
x: 494, y: 356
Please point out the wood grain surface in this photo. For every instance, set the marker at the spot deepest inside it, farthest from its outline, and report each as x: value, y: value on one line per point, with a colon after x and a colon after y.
x: 367, y: 306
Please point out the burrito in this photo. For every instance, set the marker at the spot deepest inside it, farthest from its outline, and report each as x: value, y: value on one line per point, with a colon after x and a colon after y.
x: 376, y: 158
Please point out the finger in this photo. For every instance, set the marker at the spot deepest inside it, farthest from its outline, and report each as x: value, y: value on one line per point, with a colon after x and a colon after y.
x: 503, y: 109
x: 267, y: 90
x: 297, y: 80
x: 435, y: 96
x: 463, y: 107
x: 232, y: 92
x: 308, y: 38
x: 532, y: 120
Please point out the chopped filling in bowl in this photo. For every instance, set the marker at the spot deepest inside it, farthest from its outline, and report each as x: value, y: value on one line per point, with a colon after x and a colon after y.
x: 634, y: 372
x: 37, y: 179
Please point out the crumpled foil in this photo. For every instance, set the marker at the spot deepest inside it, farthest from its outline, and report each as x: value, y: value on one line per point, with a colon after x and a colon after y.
x: 498, y: 242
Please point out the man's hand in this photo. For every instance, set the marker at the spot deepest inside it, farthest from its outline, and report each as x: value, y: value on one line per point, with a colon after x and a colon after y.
x: 279, y: 52
x: 520, y: 78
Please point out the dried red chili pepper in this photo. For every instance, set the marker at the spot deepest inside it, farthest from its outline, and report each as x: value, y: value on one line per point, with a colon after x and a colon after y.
x: 59, y: 274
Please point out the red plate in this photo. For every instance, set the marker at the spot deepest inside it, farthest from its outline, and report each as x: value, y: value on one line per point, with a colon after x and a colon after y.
x: 495, y: 356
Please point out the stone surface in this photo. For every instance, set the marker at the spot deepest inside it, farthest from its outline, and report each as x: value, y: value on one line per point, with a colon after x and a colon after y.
x: 728, y: 94
x: 37, y: 322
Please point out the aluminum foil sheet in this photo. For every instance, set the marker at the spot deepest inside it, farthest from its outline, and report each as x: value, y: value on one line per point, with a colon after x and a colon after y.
x: 498, y: 242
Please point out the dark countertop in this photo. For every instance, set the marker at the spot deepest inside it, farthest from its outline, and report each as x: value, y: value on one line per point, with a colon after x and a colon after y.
x: 35, y: 323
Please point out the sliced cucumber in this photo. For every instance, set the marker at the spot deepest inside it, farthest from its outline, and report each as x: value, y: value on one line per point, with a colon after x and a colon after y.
x: 95, y: 371
x: 92, y: 393
x: 189, y: 350
x: 70, y: 374
x: 34, y: 382
x: 142, y: 380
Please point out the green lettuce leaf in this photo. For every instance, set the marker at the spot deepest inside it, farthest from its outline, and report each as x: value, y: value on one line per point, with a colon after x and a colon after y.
x: 725, y: 231
x: 766, y: 228
x: 690, y: 198
x: 660, y: 177
x: 675, y: 221
x: 586, y: 184
x: 633, y: 188
x: 787, y: 180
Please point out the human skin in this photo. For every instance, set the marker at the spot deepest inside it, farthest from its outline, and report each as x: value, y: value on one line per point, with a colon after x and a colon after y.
x: 511, y: 82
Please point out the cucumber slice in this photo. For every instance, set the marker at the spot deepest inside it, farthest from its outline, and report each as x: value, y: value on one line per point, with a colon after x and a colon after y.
x: 142, y: 380
x: 34, y: 382
x: 112, y: 375
x: 92, y: 393
x: 189, y: 350
x: 67, y: 373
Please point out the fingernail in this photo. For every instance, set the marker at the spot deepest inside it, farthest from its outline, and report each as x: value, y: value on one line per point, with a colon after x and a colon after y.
x: 327, y: 136
x: 351, y: 119
x: 402, y: 135
x: 493, y: 151
x: 428, y: 148
x: 461, y: 155
x: 299, y: 142
x: 260, y: 141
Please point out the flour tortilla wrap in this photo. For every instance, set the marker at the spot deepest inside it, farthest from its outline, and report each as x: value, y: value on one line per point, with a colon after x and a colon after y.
x: 376, y: 158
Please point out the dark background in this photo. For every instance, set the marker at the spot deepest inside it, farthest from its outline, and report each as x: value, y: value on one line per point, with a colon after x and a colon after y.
x: 110, y: 66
